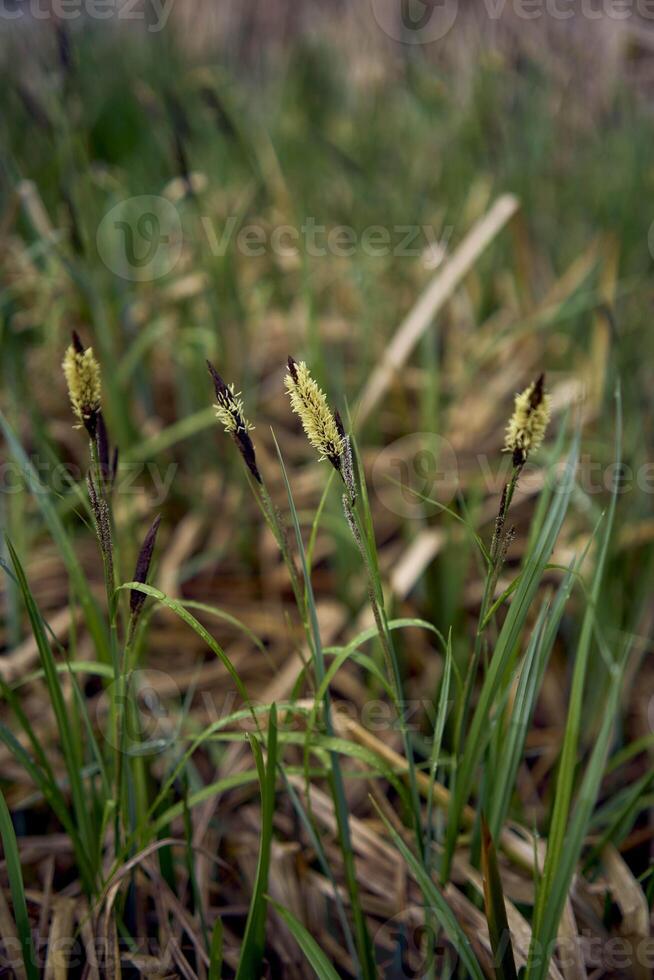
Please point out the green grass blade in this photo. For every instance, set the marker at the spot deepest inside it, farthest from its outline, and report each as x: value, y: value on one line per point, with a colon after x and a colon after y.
x: 437, y: 741
x: 69, y: 742
x: 440, y: 908
x: 216, y: 951
x: 43, y: 780
x: 513, y: 739
x: 80, y: 582
x: 503, y: 655
x: 312, y: 951
x: 317, y: 845
x: 252, y: 950
x: 498, y: 926
x: 558, y: 839
x: 228, y: 618
x: 364, y: 945
x: 180, y: 610
x: 551, y: 901
x: 15, y: 875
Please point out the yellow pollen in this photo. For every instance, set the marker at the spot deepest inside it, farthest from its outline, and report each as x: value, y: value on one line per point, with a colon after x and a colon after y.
x: 82, y: 373
x: 229, y: 411
x: 527, y: 425
x: 309, y: 402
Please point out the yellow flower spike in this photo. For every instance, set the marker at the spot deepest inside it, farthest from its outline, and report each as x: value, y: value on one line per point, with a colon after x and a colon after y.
x: 309, y: 402
x: 82, y: 373
x: 527, y: 425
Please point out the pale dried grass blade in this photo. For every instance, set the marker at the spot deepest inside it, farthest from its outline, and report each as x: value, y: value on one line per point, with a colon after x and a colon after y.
x: 441, y: 288
x: 60, y: 939
x: 632, y: 903
x: 9, y: 937
x: 570, y: 949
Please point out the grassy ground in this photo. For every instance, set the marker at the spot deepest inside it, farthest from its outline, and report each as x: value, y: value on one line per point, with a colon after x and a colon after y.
x: 455, y: 778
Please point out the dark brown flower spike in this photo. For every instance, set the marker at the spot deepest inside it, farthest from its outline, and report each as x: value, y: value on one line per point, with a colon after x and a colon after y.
x: 346, y: 467
x: 499, y: 522
x: 229, y: 411
x: 102, y: 524
x: 136, y: 598
x: 114, y: 466
x: 107, y: 460
x: 102, y: 443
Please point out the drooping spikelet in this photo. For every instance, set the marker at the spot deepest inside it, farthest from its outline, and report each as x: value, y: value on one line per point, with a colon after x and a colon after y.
x: 82, y: 373
x: 229, y: 411
x: 527, y: 425
x: 318, y: 422
x: 136, y: 598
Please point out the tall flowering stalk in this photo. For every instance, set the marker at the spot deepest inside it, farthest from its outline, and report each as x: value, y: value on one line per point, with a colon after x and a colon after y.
x: 83, y: 378
x: 525, y: 432
x: 326, y: 433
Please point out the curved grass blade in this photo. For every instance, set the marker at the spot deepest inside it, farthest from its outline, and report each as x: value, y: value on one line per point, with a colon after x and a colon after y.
x: 312, y: 951
x: 15, y: 875
x: 440, y: 908
x: 179, y: 609
x: 228, y: 618
x: 70, y: 744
